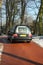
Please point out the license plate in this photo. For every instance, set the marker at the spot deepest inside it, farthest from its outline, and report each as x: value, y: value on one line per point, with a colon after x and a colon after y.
x: 22, y: 35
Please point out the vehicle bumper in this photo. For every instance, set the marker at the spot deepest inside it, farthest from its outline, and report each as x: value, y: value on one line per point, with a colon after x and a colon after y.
x: 21, y: 39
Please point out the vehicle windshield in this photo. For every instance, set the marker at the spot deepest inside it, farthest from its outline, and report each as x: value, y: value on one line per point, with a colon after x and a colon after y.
x: 23, y: 30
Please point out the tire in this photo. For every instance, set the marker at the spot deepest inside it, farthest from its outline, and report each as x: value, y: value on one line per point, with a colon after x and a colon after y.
x: 9, y: 37
x: 11, y: 40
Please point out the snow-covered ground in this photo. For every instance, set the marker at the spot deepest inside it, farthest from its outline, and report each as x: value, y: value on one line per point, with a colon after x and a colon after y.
x: 1, y: 49
x: 38, y: 40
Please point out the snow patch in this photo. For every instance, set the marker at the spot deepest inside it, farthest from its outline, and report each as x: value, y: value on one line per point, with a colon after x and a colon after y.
x: 1, y: 49
x: 38, y: 41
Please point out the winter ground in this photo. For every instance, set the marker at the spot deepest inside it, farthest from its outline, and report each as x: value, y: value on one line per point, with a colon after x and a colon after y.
x: 38, y: 40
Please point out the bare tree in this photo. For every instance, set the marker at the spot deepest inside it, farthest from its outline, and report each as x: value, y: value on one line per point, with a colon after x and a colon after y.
x: 23, y: 6
x: 11, y: 11
x: 40, y: 17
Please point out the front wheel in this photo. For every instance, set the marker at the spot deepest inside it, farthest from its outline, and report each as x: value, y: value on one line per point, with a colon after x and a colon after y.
x: 9, y: 37
x: 11, y: 40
